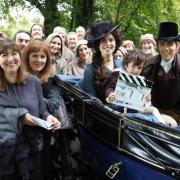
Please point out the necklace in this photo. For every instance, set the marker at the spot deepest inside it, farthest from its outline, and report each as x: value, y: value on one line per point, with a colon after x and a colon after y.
x: 110, y: 65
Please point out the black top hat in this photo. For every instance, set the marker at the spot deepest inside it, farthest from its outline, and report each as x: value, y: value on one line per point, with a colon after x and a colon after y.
x: 168, y: 31
x: 100, y: 30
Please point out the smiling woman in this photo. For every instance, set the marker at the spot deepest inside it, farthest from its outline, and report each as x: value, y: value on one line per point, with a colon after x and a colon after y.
x: 55, y: 44
x: 82, y: 59
x: 20, y: 92
x: 38, y: 61
x: 10, y: 62
x: 105, y: 38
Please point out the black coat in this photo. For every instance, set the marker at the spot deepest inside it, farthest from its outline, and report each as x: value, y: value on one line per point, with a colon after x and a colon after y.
x: 51, y: 93
x: 10, y: 131
x: 151, y: 70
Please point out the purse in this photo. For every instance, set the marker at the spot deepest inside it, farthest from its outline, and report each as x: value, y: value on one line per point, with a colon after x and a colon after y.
x: 62, y: 115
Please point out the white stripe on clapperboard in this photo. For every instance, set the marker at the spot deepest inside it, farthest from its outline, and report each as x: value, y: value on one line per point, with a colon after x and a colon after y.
x: 133, y: 79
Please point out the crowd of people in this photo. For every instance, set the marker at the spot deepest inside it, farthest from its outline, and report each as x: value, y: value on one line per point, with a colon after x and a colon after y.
x: 29, y: 63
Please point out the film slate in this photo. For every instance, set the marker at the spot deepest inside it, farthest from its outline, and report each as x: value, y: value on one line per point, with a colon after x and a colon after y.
x: 131, y: 91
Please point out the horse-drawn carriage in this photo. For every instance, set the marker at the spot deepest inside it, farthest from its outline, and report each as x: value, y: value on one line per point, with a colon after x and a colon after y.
x: 119, y: 147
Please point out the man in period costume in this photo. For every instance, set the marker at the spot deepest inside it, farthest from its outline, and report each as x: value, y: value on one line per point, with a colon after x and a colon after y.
x: 164, y: 70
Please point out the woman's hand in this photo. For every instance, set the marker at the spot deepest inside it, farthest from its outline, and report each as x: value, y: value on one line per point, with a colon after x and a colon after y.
x: 28, y: 120
x: 54, y: 121
x: 112, y: 97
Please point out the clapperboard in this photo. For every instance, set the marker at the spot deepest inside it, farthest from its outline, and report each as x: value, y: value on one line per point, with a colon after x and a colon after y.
x: 131, y: 90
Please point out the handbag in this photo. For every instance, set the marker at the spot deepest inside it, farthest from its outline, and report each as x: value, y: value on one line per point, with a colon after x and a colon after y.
x: 62, y: 115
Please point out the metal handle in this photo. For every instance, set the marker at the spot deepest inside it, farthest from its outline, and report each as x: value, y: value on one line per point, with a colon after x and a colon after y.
x: 113, y: 170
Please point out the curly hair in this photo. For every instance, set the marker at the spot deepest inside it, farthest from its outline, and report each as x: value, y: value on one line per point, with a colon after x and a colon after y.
x: 101, y: 76
x: 136, y: 56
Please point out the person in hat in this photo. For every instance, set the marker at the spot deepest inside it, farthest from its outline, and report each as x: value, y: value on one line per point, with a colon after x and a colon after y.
x: 128, y: 45
x: 82, y: 59
x: 133, y: 64
x: 105, y: 37
x: 148, y: 45
x: 164, y: 70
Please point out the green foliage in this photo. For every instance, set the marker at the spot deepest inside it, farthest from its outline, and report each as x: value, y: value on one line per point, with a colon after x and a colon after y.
x: 13, y: 18
x: 102, y: 10
x: 136, y: 17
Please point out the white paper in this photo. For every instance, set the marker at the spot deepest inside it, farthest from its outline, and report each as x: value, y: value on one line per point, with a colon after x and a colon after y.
x: 42, y: 123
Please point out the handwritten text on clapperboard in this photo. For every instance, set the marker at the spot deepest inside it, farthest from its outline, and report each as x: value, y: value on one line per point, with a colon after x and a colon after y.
x: 131, y: 91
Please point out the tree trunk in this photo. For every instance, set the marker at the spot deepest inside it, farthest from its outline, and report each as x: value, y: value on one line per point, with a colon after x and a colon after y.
x: 131, y: 16
x: 50, y: 12
x: 120, y: 6
x: 51, y: 17
x: 83, y: 13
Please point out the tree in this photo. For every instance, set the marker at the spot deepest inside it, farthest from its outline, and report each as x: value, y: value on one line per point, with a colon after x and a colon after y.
x: 135, y: 16
x: 53, y: 12
x: 82, y: 13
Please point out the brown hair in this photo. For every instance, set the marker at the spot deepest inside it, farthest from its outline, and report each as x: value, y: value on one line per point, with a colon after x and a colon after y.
x: 100, y: 70
x: 61, y: 49
x: 22, y: 75
x: 136, y: 56
x: 36, y: 46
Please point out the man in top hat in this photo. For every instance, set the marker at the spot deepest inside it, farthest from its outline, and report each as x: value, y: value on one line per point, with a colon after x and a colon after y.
x: 164, y: 70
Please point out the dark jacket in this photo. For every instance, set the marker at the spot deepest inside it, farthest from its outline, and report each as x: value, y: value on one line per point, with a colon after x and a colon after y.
x: 27, y: 96
x: 10, y: 131
x: 51, y: 93
x: 112, y: 83
x: 88, y: 81
x: 54, y: 101
x: 152, y: 71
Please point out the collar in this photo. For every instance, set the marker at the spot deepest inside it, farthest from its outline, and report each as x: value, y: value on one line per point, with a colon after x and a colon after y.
x: 166, y: 65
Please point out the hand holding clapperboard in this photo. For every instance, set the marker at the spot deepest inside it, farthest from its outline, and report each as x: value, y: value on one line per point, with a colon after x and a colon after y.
x: 131, y: 91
